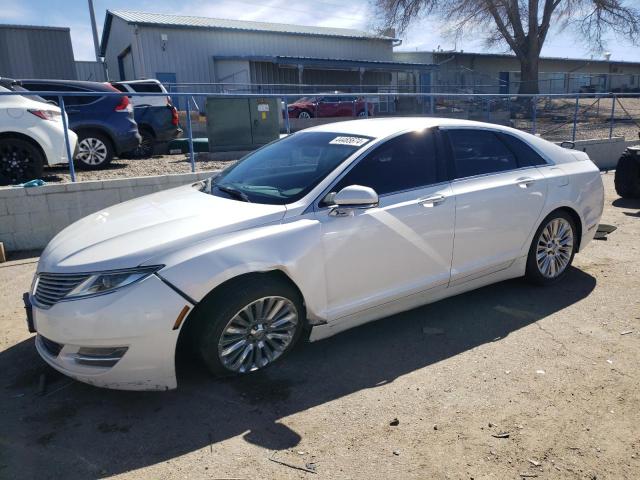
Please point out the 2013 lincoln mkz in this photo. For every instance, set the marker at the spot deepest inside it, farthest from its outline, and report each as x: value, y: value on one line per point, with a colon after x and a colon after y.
x: 321, y: 231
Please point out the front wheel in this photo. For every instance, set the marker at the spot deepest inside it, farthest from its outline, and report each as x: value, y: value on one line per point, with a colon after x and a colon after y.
x: 304, y: 115
x: 94, y: 151
x: 552, y: 249
x: 249, y: 326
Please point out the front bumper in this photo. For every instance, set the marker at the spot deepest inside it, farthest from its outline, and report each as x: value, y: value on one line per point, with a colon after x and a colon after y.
x: 133, y: 326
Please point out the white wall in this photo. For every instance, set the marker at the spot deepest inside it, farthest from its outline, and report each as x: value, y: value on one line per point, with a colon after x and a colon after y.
x: 30, y: 217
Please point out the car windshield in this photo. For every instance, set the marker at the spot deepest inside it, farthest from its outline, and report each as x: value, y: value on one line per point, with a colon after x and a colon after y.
x: 286, y: 170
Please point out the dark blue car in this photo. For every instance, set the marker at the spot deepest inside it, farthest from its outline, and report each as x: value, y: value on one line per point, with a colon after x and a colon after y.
x: 105, y: 124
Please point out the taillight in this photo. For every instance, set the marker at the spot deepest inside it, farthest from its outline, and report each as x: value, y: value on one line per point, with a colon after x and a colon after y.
x: 174, y: 116
x: 123, y: 105
x: 46, y: 114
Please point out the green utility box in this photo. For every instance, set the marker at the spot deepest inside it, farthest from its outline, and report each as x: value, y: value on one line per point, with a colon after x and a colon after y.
x: 236, y: 123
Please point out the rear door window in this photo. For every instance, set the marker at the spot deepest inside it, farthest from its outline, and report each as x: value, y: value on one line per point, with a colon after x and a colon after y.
x: 525, y: 155
x: 146, y: 87
x: 479, y: 152
x: 68, y: 101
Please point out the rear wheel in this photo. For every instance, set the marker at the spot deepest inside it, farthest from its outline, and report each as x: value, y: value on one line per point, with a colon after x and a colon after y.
x: 627, y: 178
x: 147, y: 145
x: 250, y: 325
x: 552, y: 249
x: 94, y: 151
x: 20, y: 161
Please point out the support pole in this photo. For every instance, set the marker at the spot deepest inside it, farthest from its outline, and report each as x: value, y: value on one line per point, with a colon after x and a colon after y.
x: 190, y: 133
x: 575, y: 119
x: 65, y: 127
x: 287, y: 122
x: 534, y: 113
x: 613, y: 111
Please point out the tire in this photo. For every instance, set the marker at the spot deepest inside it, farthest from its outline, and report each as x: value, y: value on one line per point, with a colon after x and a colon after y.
x: 362, y: 114
x: 222, y: 324
x: 146, y: 147
x: 556, y: 254
x: 94, y: 151
x: 20, y: 161
x: 305, y: 114
x: 627, y: 177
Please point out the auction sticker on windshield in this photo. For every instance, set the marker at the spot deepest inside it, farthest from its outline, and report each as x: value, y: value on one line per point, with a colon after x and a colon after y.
x: 353, y: 141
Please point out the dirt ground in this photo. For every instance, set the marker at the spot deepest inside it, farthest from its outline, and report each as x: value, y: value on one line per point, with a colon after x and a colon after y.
x: 510, y: 381
x: 126, y: 168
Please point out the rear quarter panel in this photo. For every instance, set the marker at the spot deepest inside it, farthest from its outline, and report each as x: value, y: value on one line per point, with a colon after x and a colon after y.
x: 576, y: 184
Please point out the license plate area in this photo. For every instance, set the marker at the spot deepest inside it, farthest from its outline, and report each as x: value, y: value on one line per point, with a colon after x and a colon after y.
x: 28, y: 308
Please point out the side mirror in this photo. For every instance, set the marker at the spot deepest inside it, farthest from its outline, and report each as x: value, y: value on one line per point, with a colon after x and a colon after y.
x: 352, y: 197
x: 568, y: 144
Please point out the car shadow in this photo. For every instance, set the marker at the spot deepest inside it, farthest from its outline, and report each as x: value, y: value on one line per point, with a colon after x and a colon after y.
x: 78, y: 431
x: 626, y: 203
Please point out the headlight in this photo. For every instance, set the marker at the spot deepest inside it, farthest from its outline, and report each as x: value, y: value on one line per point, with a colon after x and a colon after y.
x: 107, y: 282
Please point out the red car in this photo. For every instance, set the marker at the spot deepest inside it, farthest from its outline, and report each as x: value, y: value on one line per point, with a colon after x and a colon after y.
x: 347, y: 106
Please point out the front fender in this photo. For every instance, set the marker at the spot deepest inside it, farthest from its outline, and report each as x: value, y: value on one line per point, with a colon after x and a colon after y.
x: 291, y: 247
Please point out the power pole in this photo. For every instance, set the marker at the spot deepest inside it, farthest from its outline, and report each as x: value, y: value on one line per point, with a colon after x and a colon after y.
x: 94, y: 29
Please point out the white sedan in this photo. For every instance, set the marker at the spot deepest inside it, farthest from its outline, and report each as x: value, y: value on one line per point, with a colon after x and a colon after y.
x: 313, y: 234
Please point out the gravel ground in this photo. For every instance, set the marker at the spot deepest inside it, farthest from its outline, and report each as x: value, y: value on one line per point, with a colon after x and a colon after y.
x: 124, y: 168
x: 510, y: 381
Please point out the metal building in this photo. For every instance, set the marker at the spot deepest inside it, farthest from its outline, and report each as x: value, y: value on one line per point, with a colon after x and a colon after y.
x: 186, y: 49
x: 468, y: 72
x: 36, y: 52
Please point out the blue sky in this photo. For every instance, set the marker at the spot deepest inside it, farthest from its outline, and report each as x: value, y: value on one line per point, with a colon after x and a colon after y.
x: 424, y: 35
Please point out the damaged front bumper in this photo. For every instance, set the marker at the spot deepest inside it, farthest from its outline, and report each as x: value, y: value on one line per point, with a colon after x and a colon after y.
x: 124, y: 340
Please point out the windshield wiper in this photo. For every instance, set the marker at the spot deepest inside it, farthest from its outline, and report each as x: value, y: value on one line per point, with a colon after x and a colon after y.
x: 234, y: 192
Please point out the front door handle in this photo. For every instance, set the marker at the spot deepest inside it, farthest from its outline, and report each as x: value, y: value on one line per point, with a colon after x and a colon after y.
x: 525, y: 182
x: 432, y: 200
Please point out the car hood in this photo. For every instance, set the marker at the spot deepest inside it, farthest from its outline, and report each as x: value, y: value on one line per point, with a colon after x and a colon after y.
x: 125, y: 235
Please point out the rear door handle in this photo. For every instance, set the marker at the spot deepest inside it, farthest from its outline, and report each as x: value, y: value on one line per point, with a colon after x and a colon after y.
x: 525, y: 182
x: 432, y: 200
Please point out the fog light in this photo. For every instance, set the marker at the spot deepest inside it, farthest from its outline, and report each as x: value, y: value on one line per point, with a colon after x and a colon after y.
x: 100, y: 356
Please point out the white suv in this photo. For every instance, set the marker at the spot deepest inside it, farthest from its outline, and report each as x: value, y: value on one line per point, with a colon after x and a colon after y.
x: 150, y: 85
x: 31, y: 135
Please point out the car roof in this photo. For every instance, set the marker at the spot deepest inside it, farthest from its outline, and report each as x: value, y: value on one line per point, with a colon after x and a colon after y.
x: 381, y: 128
x: 144, y: 80
x: 385, y: 127
x: 95, y: 86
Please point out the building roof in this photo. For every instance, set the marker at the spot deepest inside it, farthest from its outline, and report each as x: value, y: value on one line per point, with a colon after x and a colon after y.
x: 330, y: 62
x: 35, y: 27
x: 185, y: 21
x: 511, y: 55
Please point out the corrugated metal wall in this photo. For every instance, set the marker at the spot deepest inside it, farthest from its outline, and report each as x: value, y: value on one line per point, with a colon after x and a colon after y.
x: 36, y: 52
x: 122, y: 36
x: 92, y: 71
x: 189, y: 52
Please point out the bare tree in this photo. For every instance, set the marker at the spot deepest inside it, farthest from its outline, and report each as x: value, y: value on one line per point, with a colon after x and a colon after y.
x: 522, y: 25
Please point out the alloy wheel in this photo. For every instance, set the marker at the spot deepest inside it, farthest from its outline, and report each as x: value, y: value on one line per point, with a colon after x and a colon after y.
x: 258, y: 334
x: 16, y: 162
x: 304, y: 114
x: 554, y: 248
x: 92, y: 151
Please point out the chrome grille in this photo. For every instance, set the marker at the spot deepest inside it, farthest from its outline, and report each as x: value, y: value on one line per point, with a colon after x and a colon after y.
x: 52, y: 287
